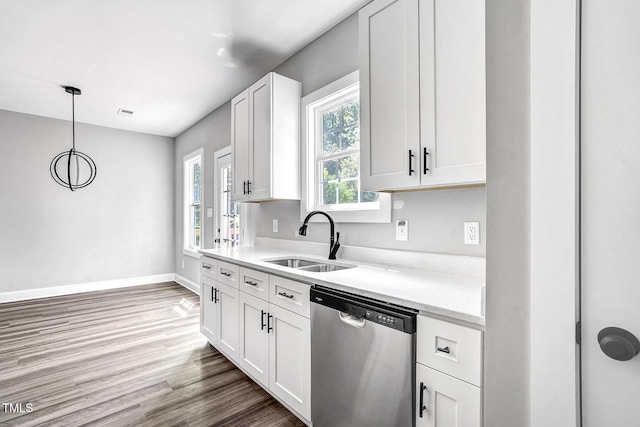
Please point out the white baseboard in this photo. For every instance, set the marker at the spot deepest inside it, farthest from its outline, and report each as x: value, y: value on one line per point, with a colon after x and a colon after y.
x: 192, y: 286
x: 85, y: 287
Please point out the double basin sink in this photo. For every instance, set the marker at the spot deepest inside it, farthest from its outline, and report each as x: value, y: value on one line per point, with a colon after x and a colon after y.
x: 308, y: 265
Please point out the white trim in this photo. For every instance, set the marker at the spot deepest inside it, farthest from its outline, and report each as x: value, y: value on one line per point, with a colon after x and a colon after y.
x: 53, y: 291
x: 191, y: 252
x: 186, y: 177
x: 186, y: 283
x: 554, y: 212
x: 330, y: 93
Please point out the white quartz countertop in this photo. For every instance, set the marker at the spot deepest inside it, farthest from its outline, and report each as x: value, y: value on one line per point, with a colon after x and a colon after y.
x: 450, y: 295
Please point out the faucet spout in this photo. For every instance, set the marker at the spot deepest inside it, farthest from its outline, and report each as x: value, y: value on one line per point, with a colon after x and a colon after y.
x: 334, y: 244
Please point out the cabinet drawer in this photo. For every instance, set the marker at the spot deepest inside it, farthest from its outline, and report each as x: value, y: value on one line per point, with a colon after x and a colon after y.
x: 453, y: 349
x: 293, y: 296
x: 226, y: 273
x: 254, y: 282
x: 207, y: 266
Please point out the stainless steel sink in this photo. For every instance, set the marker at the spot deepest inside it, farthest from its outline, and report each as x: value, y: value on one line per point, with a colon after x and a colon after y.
x: 293, y: 262
x: 323, y: 268
x: 308, y: 265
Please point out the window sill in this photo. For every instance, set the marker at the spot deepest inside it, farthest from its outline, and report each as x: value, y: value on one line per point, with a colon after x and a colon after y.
x: 192, y: 253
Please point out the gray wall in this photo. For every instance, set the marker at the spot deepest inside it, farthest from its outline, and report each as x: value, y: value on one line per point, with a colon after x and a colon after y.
x: 435, y: 217
x: 211, y: 133
x: 121, y: 226
x: 508, y: 301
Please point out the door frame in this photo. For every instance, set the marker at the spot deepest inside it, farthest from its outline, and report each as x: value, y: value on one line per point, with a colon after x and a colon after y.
x: 555, y: 212
x: 247, y: 221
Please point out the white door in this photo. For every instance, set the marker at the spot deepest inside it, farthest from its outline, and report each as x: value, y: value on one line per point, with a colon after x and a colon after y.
x: 228, y: 320
x: 610, y: 210
x: 209, y: 314
x: 445, y: 401
x: 290, y: 359
x: 260, y: 113
x: 227, y: 218
x: 253, y: 348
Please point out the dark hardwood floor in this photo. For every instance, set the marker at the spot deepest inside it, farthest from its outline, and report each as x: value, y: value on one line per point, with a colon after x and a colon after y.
x: 124, y: 357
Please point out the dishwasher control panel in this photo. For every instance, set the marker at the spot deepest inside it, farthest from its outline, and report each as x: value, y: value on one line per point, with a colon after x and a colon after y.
x: 379, y: 312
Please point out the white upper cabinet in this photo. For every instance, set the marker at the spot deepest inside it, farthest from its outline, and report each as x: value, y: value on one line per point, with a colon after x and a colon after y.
x: 265, y: 135
x: 422, y: 81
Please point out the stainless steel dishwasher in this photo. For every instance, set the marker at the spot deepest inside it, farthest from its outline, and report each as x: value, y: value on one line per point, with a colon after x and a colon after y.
x: 362, y: 361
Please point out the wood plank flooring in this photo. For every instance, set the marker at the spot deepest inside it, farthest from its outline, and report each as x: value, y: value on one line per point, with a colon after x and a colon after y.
x: 124, y: 357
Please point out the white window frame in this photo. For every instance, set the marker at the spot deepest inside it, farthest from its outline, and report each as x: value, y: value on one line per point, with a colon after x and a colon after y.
x: 312, y: 107
x: 189, y: 247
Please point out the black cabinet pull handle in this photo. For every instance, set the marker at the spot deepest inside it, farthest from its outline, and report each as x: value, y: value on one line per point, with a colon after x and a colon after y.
x: 269, y: 327
x: 285, y: 295
x: 444, y: 350
x: 249, y: 282
x: 211, y: 294
x: 244, y: 187
x: 224, y: 273
x: 248, y: 187
x: 425, y: 153
x: 411, y: 156
x: 422, y: 405
x: 215, y: 296
x: 205, y: 266
x: 262, y: 324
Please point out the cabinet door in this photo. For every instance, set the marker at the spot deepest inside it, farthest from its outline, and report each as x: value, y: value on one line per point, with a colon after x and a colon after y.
x: 260, y: 100
x: 290, y: 359
x: 447, y: 401
x: 208, y: 311
x: 228, y: 320
x: 240, y: 144
x: 452, y: 92
x: 389, y: 95
x: 253, y: 348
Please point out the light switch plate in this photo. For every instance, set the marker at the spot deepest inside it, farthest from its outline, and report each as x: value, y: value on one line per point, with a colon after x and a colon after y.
x: 209, y: 212
x: 275, y: 225
x: 402, y: 230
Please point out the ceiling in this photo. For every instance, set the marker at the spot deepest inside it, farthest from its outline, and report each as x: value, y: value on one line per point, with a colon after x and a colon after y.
x: 171, y: 62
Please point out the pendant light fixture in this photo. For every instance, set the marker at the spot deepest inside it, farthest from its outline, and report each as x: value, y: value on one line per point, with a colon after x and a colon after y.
x: 73, y: 169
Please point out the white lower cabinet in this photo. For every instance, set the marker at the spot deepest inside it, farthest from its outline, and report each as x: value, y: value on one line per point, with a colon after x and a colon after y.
x: 446, y: 401
x: 219, y: 316
x: 275, y: 349
x: 263, y: 326
x: 448, y: 374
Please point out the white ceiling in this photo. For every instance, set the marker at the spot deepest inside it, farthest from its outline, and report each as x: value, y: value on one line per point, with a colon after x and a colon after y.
x: 170, y: 61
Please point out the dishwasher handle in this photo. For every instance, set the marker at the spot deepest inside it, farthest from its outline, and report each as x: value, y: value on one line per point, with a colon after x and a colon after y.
x: 351, y: 320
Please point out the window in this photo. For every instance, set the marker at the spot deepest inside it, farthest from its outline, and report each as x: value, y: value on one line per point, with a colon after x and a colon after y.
x: 332, y: 130
x: 193, y: 203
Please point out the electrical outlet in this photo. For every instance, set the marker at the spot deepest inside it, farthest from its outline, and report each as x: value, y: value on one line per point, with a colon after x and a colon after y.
x: 275, y: 225
x: 471, y: 233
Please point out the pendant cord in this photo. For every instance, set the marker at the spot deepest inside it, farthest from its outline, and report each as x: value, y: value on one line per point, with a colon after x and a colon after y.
x: 73, y: 118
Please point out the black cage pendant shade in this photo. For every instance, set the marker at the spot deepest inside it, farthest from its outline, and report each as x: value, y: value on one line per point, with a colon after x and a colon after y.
x: 73, y: 169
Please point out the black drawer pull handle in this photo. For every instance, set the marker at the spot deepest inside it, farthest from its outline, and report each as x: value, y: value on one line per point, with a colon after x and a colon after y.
x: 269, y: 327
x: 444, y: 350
x: 424, y: 161
x: 205, y: 266
x: 224, y: 273
x: 249, y: 282
x: 422, y: 405
x: 285, y: 295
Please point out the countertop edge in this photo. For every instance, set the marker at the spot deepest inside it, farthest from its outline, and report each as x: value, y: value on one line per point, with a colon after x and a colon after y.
x: 423, y: 308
